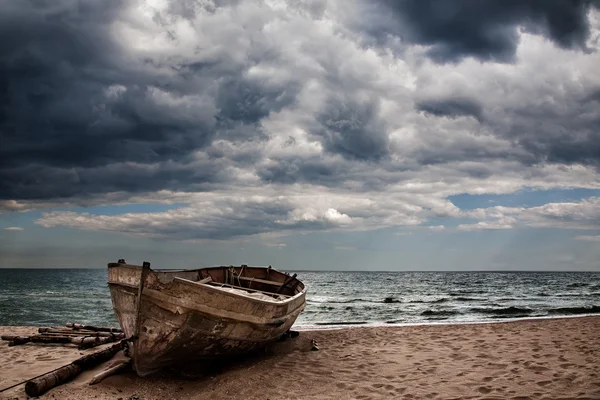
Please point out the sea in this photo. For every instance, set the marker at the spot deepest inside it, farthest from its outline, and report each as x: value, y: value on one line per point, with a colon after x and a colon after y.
x: 56, y: 296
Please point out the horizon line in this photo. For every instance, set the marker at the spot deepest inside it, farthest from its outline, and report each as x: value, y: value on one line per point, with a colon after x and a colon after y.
x: 315, y: 270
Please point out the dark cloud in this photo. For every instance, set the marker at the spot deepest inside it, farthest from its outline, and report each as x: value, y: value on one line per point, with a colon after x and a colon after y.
x: 57, y: 65
x: 452, y: 107
x: 39, y: 182
x: 353, y: 129
x: 73, y: 102
x: 487, y: 30
x: 564, y: 130
x: 565, y: 147
x: 242, y: 103
x: 83, y: 112
x: 305, y: 170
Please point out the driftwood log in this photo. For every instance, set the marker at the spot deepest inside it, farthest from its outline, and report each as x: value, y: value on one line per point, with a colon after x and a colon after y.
x: 93, y: 328
x: 83, y: 342
x: 110, y: 371
x: 19, y: 340
x: 40, y: 385
x: 77, y: 332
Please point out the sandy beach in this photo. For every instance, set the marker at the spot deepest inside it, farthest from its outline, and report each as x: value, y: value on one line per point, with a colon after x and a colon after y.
x: 528, y: 359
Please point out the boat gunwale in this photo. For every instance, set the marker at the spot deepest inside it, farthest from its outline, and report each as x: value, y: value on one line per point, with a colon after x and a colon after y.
x: 216, y: 289
x: 156, y: 297
x: 219, y: 289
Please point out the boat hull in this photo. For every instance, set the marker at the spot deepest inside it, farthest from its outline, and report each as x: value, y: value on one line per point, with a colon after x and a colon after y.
x: 178, y: 320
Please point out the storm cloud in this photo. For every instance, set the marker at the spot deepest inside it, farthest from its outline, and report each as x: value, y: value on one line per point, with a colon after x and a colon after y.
x: 487, y: 30
x: 296, y: 116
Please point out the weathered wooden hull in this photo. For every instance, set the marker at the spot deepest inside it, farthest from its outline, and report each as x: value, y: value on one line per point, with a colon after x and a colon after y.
x: 178, y: 319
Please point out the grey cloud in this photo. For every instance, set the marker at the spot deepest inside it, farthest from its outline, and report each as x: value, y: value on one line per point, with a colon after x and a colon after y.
x: 560, y: 131
x: 215, y: 219
x: 293, y: 170
x: 353, y: 129
x: 278, y: 105
x: 242, y: 103
x: 37, y: 182
x: 487, y: 30
x: 74, y: 103
x: 451, y: 107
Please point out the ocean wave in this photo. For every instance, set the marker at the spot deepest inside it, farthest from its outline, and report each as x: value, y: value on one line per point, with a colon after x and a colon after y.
x: 389, y: 300
x: 342, y: 323
x: 439, y: 313
x: 337, y: 301
x: 503, y: 311
x: 467, y: 299
x: 464, y: 291
x: 577, y: 284
x: 67, y: 295
x: 574, y: 310
x: 437, y: 301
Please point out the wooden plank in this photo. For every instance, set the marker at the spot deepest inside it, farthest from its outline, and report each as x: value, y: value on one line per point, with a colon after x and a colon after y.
x: 266, y: 282
x: 287, y: 282
x: 219, y: 284
x: 76, y: 326
x: 138, y: 303
x: 206, y: 280
x: 110, y: 371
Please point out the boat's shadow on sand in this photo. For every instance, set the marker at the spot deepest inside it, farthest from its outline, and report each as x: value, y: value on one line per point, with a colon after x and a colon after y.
x: 225, y: 379
x: 210, y: 369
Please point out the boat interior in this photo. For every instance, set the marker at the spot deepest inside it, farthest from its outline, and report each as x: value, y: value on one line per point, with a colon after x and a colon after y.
x: 264, y: 280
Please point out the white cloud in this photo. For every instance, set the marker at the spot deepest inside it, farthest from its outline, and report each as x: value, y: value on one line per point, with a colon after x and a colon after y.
x: 483, y: 226
x: 14, y: 228
x: 437, y: 228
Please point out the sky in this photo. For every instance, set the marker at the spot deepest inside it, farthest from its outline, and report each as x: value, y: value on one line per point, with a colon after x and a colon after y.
x: 307, y: 135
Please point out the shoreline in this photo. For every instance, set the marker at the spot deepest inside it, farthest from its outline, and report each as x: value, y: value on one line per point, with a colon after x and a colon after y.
x: 531, y: 358
x: 326, y: 326
x: 347, y: 325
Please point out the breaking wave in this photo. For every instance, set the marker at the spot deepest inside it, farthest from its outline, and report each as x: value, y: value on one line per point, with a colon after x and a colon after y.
x: 503, y: 311
x: 574, y: 310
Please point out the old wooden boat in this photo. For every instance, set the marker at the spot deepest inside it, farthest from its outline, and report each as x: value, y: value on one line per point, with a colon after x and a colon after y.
x: 177, y: 317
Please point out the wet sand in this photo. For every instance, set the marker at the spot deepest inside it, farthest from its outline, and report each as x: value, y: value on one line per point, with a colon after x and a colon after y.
x: 529, y: 359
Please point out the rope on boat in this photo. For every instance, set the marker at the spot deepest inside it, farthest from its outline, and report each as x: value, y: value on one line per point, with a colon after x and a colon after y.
x: 233, y: 275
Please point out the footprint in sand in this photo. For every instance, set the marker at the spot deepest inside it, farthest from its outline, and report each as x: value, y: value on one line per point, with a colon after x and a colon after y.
x: 544, y: 383
x: 484, y: 389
